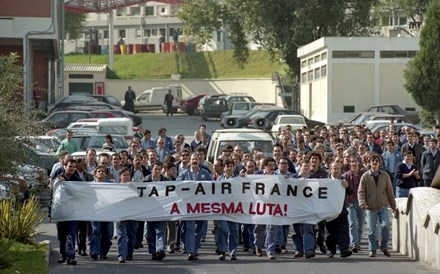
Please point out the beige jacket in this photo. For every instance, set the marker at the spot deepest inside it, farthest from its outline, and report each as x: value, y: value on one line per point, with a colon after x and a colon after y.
x: 375, y: 196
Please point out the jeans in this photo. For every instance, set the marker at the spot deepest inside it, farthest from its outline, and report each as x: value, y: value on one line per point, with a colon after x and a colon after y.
x: 155, y: 236
x: 101, y: 238
x: 383, y: 217
x: 204, y: 230
x: 247, y: 232
x: 193, y: 236
x: 126, y: 238
x: 282, y: 235
x: 402, y: 192
x: 227, y: 229
x: 356, y: 219
x: 66, y: 233
x: 82, y: 229
x: 304, y: 238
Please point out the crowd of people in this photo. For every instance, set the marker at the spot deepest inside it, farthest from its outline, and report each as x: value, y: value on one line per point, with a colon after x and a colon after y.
x: 372, y: 168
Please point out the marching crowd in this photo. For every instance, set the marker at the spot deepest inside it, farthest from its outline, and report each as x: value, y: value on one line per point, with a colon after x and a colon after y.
x: 374, y: 168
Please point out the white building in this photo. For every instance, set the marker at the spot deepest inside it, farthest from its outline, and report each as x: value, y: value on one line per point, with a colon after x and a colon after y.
x: 341, y: 76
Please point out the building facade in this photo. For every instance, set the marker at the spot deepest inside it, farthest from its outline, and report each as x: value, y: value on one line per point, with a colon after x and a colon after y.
x: 341, y: 76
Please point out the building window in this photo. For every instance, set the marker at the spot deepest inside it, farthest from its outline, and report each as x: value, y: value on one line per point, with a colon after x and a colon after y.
x: 324, y: 56
x: 352, y: 54
x: 310, y: 76
x: 149, y: 10
x: 147, y: 32
x: 219, y: 36
x: 80, y: 76
x: 138, y: 33
x: 122, y: 33
x: 349, y: 109
x: 154, y: 33
x: 121, y: 12
x: 304, y: 78
x: 304, y: 64
x: 163, y: 31
x: 317, y: 58
x: 403, y: 21
x: 397, y: 54
x: 135, y: 11
x: 317, y: 73
x: 163, y: 10
x: 323, y: 71
x: 310, y: 62
x: 105, y: 34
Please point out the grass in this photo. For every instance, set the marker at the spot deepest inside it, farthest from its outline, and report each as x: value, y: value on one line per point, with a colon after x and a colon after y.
x: 195, y: 65
x: 27, y: 259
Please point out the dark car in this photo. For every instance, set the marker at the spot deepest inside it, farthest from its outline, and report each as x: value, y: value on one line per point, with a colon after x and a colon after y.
x: 61, y: 119
x: 265, y: 118
x: 109, y: 99
x: 65, y: 101
x: 215, y: 105
x: 413, y: 116
x: 189, y: 104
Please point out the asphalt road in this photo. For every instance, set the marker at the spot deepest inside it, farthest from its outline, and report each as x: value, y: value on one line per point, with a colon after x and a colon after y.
x: 209, y: 262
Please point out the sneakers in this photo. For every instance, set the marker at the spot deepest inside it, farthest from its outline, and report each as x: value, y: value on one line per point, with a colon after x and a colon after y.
x: 372, y: 254
x: 283, y: 249
x: 297, y: 255
x: 222, y: 256
x: 61, y: 260
x: 346, y: 253
x: 94, y: 256
x: 259, y: 252
x: 331, y: 255
x: 310, y: 254
x: 233, y: 258
x: 190, y: 257
x: 278, y: 249
x: 71, y: 262
x: 271, y: 257
x: 121, y: 261
x: 355, y: 249
x: 386, y: 252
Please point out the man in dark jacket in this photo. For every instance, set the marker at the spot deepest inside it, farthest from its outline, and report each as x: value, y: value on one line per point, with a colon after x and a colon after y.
x: 407, y: 175
x: 430, y: 162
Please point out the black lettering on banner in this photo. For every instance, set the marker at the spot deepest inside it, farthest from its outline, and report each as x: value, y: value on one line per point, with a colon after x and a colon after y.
x: 275, y: 189
x: 200, y: 189
x: 259, y: 187
x: 226, y: 186
x: 245, y: 186
x: 141, y: 188
x: 154, y: 192
x: 168, y: 189
x: 322, y: 192
x: 292, y: 190
x: 307, y: 195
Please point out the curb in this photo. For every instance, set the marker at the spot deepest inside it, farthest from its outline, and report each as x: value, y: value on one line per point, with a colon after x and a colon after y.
x: 48, y: 251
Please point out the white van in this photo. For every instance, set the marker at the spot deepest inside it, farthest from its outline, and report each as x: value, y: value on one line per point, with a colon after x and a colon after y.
x: 152, y: 99
x: 112, y: 126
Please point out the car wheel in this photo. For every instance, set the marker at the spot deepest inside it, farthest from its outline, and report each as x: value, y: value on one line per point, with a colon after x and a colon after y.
x: 190, y: 111
x: 204, y: 118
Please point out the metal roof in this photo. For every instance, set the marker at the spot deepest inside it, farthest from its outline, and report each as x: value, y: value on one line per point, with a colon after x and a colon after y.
x: 85, y: 68
x: 108, y: 5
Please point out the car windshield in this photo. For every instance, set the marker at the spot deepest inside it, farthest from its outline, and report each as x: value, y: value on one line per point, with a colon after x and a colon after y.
x: 265, y: 146
x: 291, y: 120
x: 96, y: 142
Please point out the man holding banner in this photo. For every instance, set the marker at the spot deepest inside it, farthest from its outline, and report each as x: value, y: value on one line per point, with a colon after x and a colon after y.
x: 193, y: 229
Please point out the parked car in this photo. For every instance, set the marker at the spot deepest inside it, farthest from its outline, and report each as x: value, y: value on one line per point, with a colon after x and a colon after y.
x: 371, y: 116
x: 61, y: 119
x: 238, y: 108
x: 242, y: 120
x: 294, y: 121
x: 41, y: 150
x: 153, y: 99
x: 61, y: 103
x: 247, y: 139
x: 265, y: 118
x: 398, y: 127
x: 108, y: 99
x: 215, y: 106
x: 412, y: 116
x: 189, y: 104
x: 95, y: 140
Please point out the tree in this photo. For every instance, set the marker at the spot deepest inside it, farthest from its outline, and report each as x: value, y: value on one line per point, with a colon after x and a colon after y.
x: 14, y: 119
x: 422, y: 74
x: 279, y: 26
x: 74, y: 23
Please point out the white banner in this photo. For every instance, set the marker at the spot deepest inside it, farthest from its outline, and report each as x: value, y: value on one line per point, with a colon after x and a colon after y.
x: 258, y: 199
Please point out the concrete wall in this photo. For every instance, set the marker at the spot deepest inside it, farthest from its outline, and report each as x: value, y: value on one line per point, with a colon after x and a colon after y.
x: 263, y: 90
x: 416, y: 228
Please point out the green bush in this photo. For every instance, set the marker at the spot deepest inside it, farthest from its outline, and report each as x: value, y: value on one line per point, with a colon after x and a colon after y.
x: 5, y: 254
x: 19, y: 221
